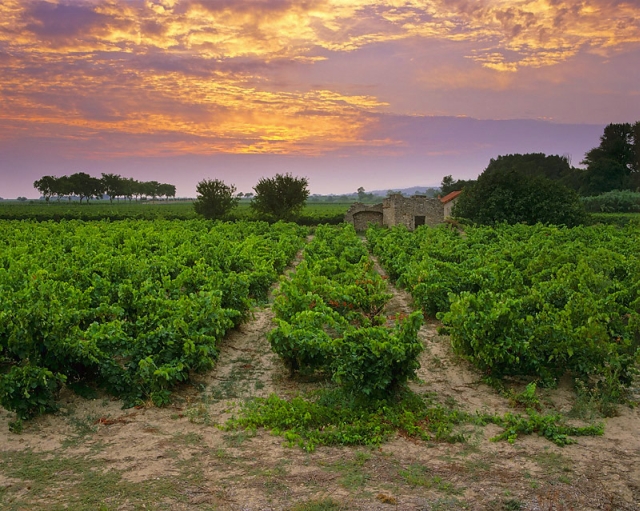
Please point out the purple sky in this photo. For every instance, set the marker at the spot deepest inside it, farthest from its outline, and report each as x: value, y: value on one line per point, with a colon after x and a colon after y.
x: 375, y: 93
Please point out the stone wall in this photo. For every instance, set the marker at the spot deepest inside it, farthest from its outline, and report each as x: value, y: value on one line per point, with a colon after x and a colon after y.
x: 362, y: 219
x: 448, y: 207
x: 407, y: 211
x: 396, y: 210
x: 360, y: 215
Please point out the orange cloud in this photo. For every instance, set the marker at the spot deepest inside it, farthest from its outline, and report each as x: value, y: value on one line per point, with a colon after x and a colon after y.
x: 204, y: 68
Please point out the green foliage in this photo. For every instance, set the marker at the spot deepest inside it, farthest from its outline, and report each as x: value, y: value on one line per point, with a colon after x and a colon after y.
x: 281, y: 197
x: 449, y: 184
x: 329, y: 318
x: 615, y: 201
x: 372, y: 360
x: 30, y: 390
x: 336, y: 417
x: 554, y: 167
x: 525, y: 399
x: 215, y: 199
x: 58, y: 211
x: 547, y: 426
x: 520, y: 300
x: 132, y: 307
x: 615, y: 163
x: 511, y: 196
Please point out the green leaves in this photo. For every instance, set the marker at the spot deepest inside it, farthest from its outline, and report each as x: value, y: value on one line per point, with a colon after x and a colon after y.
x: 528, y: 300
x: 131, y: 306
x: 30, y: 390
x: 329, y: 319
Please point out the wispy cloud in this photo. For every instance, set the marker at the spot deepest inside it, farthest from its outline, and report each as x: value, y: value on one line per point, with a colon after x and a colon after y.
x: 205, y: 76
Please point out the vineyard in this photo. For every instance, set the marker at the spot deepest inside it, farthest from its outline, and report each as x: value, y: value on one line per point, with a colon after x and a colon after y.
x: 132, y: 307
x: 246, y: 347
x: 536, y: 301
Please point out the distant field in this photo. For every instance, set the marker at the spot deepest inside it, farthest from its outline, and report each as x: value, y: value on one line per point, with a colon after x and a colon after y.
x: 313, y: 213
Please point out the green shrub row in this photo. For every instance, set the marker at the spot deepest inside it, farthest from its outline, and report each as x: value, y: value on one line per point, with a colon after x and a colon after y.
x: 616, y: 201
x: 329, y: 316
x: 528, y: 300
x: 133, y: 307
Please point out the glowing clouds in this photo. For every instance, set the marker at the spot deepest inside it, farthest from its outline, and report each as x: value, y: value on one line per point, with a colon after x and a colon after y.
x: 210, y: 76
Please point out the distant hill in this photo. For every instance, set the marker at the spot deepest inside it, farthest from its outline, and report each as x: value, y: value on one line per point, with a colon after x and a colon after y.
x: 422, y: 190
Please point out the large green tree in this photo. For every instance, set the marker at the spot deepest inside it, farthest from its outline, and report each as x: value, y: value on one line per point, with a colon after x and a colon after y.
x: 215, y: 199
x: 46, y: 186
x: 112, y: 185
x: 85, y: 186
x: 449, y: 184
x: 281, y: 197
x: 508, y: 195
x: 615, y: 163
x: 554, y: 167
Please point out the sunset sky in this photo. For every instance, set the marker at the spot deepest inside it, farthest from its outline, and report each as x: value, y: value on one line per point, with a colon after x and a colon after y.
x: 375, y: 93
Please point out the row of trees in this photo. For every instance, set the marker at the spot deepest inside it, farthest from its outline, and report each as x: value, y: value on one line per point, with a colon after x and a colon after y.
x: 84, y: 186
x: 279, y: 198
x: 613, y: 165
x: 539, y: 188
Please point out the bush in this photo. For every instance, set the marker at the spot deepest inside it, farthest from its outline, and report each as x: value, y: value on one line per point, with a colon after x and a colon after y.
x: 514, y: 197
x: 616, y: 201
x: 30, y: 390
x: 215, y: 199
x: 281, y: 197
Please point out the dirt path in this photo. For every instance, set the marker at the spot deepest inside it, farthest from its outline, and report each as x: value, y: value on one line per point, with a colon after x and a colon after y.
x: 94, y: 455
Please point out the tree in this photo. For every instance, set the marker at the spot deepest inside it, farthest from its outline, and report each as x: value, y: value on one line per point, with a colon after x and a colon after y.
x: 46, y: 186
x: 112, y: 185
x: 215, y: 199
x: 85, y: 186
x: 281, y: 197
x: 507, y: 195
x: 615, y: 163
x: 449, y: 184
x: 166, y: 190
x: 62, y: 186
x: 551, y: 166
x: 361, y: 194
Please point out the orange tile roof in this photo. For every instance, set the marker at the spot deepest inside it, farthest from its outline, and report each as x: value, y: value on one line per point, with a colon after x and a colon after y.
x: 449, y: 197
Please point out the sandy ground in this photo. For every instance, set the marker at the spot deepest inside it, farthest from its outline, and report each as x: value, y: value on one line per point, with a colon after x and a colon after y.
x: 241, y: 471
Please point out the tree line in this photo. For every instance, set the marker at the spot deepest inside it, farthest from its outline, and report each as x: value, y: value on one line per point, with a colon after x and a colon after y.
x: 543, y: 188
x: 84, y: 186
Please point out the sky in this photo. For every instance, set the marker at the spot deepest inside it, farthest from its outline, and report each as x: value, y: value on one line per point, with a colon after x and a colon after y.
x: 383, y: 94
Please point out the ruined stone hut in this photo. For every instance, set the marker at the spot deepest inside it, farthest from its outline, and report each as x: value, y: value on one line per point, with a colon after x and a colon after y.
x: 399, y: 210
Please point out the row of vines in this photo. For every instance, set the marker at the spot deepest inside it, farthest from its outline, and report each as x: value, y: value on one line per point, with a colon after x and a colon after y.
x: 528, y: 300
x: 132, y: 307
x: 330, y: 318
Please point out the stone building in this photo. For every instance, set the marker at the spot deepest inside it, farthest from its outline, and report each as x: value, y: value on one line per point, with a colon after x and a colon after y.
x: 449, y: 200
x: 397, y: 209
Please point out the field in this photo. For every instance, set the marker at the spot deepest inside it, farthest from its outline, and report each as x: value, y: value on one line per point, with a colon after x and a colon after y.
x: 325, y: 390
x: 313, y: 213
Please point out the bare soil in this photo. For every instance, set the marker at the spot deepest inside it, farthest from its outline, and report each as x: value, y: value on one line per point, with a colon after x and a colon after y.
x: 177, y: 458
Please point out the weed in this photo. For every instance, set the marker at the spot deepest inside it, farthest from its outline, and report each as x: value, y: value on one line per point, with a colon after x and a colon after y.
x: 16, y: 426
x: 353, y: 475
x: 525, y: 399
x: 199, y: 414
x: 318, y: 505
x: 238, y: 438
x: 418, y: 475
x: 553, y: 462
x: 512, y: 505
x: 188, y: 438
x: 334, y: 417
x: 450, y: 503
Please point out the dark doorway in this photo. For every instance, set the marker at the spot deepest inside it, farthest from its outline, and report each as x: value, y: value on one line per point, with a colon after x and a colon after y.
x: 419, y: 221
